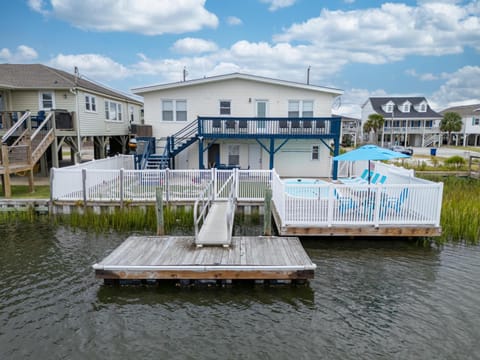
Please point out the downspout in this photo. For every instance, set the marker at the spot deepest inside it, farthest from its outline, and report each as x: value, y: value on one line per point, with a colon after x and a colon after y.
x: 77, y: 118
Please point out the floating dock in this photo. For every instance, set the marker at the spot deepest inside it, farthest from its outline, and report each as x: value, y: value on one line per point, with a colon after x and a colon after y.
x: 177, y: 258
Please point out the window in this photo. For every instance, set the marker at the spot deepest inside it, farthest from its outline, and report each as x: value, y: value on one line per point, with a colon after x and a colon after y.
x: 293, y: 109
x: 46, y: 100
x: 422, y: 107
x: 475, y: 121
x: 389, y: 107
x: 234, y: 155
x: 132, y: 111
x: 307, y: 108
x: 406, y: 107
x: 225, y: 107
x: 315, y: 152
x: 300, y: 108
x: 113, y: 111
x: 90, y: 103
x: 174, y: 110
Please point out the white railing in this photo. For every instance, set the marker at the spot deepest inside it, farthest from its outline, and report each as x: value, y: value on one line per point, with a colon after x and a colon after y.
x: 204, y: 200
x: 232, y: 204
x: 403, y: 199
x: 337, y: 204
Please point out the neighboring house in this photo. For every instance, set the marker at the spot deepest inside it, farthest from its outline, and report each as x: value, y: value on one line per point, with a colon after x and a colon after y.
x: 351, y: 131
x: 470, y: 133
x: 84, y: 108
x: 246, y: 121
x: 409, y: 121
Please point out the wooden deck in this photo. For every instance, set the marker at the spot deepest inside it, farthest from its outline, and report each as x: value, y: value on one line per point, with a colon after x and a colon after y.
x: 172, y: 257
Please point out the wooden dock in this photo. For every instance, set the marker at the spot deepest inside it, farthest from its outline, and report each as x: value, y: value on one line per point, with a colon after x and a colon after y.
x: 173, y: 257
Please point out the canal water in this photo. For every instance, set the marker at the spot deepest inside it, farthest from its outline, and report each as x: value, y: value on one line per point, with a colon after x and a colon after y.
x: 369, y: 300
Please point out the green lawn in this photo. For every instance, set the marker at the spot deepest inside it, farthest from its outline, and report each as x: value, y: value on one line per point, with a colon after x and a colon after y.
x: 22, y: 192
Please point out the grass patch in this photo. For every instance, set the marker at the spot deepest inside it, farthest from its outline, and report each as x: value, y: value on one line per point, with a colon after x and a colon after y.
x: 460, y: 208
x: 23, y: 192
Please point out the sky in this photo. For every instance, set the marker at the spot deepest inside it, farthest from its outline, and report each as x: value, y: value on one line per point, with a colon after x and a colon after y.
x: 366, y: 48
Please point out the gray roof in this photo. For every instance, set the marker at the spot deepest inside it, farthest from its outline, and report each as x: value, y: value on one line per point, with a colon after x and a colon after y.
x: 378, y: 102
x: 464, y: 110
x: 38, y: 76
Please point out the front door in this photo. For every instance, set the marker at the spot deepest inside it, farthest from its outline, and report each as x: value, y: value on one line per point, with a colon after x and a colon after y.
x: 254, y: 156
x: 213, y: 155
x: 261, y: 109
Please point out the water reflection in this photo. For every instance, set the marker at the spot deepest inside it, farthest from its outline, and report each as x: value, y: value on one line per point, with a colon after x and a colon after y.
x: 368, y: 300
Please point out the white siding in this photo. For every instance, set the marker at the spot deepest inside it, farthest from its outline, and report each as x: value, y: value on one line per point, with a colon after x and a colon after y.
x: 203, y: 100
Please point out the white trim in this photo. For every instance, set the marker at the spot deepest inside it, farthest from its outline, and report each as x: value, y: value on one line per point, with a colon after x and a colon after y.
x: 40, y: 99
x: 147, y: 89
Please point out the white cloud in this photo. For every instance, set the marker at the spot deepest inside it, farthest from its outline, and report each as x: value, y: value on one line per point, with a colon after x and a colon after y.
x: 22, y: 54
x: 139, y: 16
x: 97, y: 67
x: 38, y: 6
x: 194, y: 46
x: 391, y: 32
x: 423, y: 77
x: 233, y: 20
x: 278, y: 4
x: 462, y: 85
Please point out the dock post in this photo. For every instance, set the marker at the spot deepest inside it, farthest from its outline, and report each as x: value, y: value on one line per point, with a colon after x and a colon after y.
x: 159, y: 208
x: 267, y: 214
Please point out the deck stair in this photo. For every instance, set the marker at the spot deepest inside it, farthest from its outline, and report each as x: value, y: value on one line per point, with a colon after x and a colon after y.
x: 22, y: 147
x: 156, y: 161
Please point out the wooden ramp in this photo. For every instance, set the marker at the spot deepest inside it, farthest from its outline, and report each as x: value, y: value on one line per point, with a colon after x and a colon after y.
x: 215, y: 230
x: 172, y: 257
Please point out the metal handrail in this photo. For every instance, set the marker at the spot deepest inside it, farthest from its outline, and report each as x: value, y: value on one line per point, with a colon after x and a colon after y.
x: 232, y: 203
x: 205, y: 198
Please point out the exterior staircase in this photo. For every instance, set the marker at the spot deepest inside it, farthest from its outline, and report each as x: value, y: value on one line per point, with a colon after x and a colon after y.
x: 175, y: 144
x: 22, y: 147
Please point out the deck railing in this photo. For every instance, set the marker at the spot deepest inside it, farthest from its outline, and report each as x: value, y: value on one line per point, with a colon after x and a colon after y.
x: 405, y: 200
x: 202, y: 206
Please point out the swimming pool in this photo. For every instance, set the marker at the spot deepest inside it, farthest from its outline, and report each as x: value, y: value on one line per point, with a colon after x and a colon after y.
x: 306, y: 188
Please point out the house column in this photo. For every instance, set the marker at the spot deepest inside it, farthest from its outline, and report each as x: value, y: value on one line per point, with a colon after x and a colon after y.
x: 200, y: 153
x: 272, y: 153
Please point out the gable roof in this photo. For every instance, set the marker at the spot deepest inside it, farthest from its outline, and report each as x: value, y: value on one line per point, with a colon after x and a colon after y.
x: 378, y: 102
x: 206, y: 80
x: 38, y: 76
x: 464, y: 110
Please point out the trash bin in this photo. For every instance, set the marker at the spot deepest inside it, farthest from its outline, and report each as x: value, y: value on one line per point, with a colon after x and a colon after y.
x: 433, y: 151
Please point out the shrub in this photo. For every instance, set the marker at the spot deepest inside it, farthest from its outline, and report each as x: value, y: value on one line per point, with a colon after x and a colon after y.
x: 455, y: 161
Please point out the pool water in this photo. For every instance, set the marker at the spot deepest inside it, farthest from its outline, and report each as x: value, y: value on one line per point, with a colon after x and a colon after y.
x: 306, y: 188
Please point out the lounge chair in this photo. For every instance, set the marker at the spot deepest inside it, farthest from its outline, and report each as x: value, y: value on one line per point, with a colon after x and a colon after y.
x: 393, y: 202
x: 344, y: 202
x: 362, y: 179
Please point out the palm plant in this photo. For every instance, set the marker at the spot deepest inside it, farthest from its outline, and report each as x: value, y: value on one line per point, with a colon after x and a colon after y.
x: 451, y: 122
x: 374, y: 123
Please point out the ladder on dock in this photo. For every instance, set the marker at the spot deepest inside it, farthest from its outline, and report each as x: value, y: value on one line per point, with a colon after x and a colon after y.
x: 214, y: 218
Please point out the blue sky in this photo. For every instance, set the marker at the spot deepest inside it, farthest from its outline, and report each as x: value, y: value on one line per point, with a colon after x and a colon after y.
x: 365, y: 47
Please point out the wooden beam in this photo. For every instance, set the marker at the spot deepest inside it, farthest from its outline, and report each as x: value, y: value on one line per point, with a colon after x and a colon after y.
x: 206, y: 275
x: 391, y: 231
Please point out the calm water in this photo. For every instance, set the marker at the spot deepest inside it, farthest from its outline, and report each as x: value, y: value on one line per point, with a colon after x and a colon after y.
x: 369, y: 300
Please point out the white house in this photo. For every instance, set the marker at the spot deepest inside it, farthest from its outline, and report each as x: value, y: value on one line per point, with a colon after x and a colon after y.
x: 469, y: 135
x: 409, y: 121
x: 246, y: 121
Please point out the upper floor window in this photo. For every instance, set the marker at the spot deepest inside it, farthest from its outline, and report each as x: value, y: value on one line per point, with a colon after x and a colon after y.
x: 90, y: 103
x: 389, y: 107
x: 406, y: 107
x: 225, y: 107
x: 46, y: 100
x: 113, y: 111
x: 475, y: 121
x: 132, y: 112
x: 300, y: 108
x: 174, y: 110
x: 422, y: 107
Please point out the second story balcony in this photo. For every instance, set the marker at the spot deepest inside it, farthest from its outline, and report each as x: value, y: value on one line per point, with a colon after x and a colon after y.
x: 243, y: 127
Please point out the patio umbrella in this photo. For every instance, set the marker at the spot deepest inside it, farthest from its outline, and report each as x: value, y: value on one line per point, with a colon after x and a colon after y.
x: 370, y: 152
